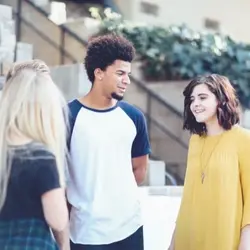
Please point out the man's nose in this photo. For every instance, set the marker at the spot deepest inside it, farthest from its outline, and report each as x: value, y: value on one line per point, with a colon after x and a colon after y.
x: 126, y: 80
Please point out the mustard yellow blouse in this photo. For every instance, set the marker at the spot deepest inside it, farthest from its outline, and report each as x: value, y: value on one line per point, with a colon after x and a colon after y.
x: 212, y: 213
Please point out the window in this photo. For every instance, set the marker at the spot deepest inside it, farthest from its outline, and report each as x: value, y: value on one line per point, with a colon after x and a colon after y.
x: 149, y: 8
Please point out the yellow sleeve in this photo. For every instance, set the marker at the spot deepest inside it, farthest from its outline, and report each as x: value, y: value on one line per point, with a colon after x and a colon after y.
x: 185, y: 188
x: 244, y: 161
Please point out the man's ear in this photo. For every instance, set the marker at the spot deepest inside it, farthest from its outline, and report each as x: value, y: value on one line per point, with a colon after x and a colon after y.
x: 98, y: 74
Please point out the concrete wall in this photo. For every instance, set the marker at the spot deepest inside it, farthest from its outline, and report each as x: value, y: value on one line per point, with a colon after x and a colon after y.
x: 84, y: 27
x: 232, y: 16
x: 7, y: 38
x: 71, y: 79
x: 46, y: 37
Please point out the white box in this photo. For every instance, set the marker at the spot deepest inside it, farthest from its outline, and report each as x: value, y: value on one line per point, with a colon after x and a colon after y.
x: 24, y: 51
x: 5, y: 13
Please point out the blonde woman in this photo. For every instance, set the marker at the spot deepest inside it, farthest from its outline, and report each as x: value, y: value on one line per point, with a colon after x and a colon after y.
x: 32, y: 159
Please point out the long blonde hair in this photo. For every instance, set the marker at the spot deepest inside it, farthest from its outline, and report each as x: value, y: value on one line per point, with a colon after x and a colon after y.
x: 32, y: 105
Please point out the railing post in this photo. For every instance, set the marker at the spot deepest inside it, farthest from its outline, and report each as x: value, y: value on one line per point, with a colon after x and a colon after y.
x: 18, y: 24
x: 18, y: 20
x: 62, y: 46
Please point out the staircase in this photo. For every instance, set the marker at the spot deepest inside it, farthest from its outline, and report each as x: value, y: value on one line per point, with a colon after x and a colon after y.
x: 168, y: 140
x: 61, y: 44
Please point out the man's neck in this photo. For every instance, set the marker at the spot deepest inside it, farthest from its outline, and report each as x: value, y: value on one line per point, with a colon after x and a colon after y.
x: 96, y: 101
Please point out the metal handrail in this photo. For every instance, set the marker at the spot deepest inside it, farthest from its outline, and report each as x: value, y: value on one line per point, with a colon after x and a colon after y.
x: 171, y: 178
x: 154, y: 95
x: 165, y: 130
x: 62, y: 26
x: 45, y: 37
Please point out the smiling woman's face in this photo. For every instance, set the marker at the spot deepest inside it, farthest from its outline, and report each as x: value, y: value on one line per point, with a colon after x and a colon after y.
x: 203, y: 104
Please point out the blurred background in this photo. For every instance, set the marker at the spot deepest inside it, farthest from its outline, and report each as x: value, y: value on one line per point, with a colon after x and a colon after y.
x: 175, y: 41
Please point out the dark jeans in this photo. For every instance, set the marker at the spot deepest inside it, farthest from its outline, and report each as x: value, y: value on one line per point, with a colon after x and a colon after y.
x: 133, y: 242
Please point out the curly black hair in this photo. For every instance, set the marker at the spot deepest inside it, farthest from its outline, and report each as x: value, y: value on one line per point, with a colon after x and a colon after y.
x: 102, y: 51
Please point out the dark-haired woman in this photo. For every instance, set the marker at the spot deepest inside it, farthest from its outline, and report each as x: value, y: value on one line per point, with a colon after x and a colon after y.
x: 215, y: 208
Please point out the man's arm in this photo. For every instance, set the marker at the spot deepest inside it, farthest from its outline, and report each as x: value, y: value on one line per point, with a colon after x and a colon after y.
x: 140, y: 168
x: 140, y: 149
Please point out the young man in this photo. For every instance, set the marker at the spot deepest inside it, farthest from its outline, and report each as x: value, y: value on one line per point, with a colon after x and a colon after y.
x: 109, y: 149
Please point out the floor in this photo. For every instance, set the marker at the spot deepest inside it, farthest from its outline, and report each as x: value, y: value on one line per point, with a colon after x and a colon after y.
x: 159, y: 215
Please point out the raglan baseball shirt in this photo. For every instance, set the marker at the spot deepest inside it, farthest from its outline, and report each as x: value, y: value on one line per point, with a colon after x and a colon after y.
x: 102, y: 188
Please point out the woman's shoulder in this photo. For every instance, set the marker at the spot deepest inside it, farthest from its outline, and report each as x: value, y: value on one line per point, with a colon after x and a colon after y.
x: 195, y: 138
x: 32, y: 151
x: 241, y: 134
x: 236, y: 133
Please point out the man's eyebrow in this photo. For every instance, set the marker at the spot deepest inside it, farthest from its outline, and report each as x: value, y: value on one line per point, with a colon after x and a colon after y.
x: 123, y: 71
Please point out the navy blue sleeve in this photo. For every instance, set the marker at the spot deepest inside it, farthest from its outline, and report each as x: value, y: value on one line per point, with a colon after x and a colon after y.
x: 141, y: 144
x: 74, y: 108
x: 47, y: 177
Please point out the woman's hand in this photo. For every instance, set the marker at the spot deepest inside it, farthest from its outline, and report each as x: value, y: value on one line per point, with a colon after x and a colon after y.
x: 245, y: 238
x: 171, y: 247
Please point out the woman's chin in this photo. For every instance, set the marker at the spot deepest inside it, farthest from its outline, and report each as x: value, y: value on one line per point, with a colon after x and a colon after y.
x: 200, y: 119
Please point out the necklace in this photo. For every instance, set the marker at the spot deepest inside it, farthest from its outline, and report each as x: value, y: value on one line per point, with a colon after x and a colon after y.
x: 203, y: 169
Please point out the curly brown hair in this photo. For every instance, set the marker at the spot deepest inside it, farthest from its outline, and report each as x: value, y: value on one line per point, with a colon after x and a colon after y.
x: 228, y: 110
x: 102, y: 51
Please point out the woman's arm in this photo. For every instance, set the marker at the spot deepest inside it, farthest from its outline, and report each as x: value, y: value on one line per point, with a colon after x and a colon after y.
x: 171, y: 247
x: 244, y: 167
x: 56, y: 215
x: 52, y: 195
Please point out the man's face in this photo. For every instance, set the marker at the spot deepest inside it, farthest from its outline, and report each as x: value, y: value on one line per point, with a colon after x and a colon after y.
x: 116, y: 79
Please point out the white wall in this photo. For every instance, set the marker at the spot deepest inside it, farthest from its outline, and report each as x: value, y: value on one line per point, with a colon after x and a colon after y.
x: 233, y: 15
